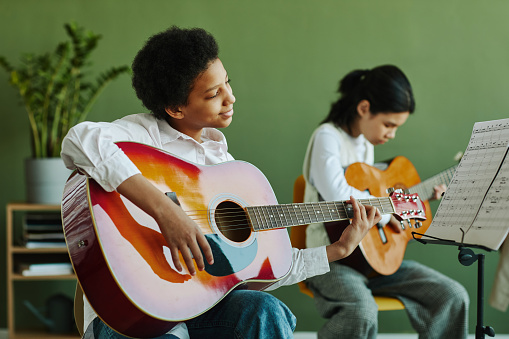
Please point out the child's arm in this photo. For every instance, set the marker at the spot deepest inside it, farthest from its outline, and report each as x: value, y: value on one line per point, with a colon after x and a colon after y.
x: 181, y: 233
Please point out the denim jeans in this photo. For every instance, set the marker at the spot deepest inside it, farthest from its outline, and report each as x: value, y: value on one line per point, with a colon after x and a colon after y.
x: 103, y: 331
x: 245, y: 314
x: 241, y: 314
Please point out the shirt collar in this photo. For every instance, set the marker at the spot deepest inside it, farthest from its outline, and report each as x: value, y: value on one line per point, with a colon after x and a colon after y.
x: 170, y: 134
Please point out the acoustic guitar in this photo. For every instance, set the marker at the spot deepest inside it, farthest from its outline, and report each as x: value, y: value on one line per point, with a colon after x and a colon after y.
x: 124, y: 266
x: 383, y: 249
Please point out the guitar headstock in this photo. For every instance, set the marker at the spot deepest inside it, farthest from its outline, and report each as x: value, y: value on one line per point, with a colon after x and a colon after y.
x: 407, y: 206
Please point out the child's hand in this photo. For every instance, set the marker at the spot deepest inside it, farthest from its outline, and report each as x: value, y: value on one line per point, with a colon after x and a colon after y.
x: 364, y: 217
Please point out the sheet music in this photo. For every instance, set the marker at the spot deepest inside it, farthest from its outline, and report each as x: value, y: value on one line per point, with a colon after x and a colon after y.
x: 477, y: 198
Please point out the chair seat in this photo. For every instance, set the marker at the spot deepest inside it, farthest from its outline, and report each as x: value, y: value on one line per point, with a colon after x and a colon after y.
x: 388, y: 303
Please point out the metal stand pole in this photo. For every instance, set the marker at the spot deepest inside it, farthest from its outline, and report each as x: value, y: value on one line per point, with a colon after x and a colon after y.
x: 467, y: 257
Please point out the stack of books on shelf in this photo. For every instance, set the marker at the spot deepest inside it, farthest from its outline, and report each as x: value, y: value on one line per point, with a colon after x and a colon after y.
x: 43, y: 230
x: 61, y: 268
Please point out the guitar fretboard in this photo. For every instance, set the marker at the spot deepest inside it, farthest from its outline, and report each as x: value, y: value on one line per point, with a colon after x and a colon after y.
x: 425, y: 189
x: 287, y: 215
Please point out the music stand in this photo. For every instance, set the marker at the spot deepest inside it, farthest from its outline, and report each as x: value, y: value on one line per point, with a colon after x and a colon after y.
x: 467, y: 257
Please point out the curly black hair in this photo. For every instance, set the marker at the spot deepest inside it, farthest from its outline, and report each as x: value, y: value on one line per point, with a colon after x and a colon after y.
x: 165, y: 68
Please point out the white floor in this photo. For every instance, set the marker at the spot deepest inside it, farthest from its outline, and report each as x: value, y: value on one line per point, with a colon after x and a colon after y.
x: 312, y: 335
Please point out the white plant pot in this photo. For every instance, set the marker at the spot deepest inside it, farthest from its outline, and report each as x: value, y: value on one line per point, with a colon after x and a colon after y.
x: 45, y: 179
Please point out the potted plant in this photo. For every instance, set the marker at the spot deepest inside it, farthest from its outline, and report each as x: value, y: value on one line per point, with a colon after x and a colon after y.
x: 56, y: 95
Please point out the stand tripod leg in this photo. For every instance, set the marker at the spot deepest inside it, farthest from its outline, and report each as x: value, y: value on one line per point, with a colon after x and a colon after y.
x: 480, y: 329
x: 467, y: 257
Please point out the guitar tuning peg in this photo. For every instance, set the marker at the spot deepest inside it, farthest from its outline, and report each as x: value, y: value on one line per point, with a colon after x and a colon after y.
x: 390, y: 190
x: 402, y: 223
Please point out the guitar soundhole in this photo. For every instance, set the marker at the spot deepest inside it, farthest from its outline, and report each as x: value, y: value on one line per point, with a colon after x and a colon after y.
x: 232, y: 222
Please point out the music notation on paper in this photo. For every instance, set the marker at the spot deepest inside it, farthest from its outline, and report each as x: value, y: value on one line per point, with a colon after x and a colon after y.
x: 475, y: 207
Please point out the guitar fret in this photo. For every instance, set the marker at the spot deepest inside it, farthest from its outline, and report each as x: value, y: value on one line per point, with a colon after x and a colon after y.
x: 272, y: 221
x: 314, y: 216
x: 252, y: 217
x: 425, y: 189
x: 266, y: 218
x: 308, y: 215
x: 259, y: 220
x: 319, y: 214
x: 328, y: 212
x: 286, y: 222
x: 280, y: 215
x: 276, y: 220
x: 263, y: 219
x: 317, y: 208
x: 295, y: 212
x: 334, y: 210
x: 286, y: 215
x: 381, y: 207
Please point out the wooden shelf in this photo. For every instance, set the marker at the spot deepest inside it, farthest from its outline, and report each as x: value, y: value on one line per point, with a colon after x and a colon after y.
x: 22, y: 249
x: 34, y: 334
x: 23, y: 206
x: 17, y: 276
x: 16, y: 253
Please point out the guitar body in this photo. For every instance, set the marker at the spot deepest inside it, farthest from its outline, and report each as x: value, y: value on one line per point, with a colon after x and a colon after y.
x: 373, y: 253
x: 121, y: 259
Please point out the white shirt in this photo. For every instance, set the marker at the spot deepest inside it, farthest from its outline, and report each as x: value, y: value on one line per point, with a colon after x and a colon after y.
x: 91, y: 147
x: 330, y: 151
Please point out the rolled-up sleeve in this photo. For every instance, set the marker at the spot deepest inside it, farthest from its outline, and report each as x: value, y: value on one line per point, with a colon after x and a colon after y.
x: 307, y: 263
x: 91, y: 148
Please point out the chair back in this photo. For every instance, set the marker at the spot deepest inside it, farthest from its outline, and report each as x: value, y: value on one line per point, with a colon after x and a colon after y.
x: 78, y: 309
x: 298, y: 233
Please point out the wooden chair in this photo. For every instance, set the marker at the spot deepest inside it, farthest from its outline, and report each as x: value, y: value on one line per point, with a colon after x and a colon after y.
x: 298, y: 239
x: 78, y: 309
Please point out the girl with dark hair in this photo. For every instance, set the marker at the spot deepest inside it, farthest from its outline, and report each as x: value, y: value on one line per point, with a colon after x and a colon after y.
x: 372, y: 105
x: 180, y: 79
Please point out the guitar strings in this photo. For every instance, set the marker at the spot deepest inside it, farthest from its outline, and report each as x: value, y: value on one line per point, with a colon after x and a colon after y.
x: 238, y: 219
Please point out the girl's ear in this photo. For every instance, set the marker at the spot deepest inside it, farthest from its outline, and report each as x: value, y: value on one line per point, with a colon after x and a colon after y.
x: 174, y: 113
x: 363, y: 108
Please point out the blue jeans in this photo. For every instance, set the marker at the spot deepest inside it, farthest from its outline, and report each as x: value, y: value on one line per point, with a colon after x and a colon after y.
x: 241, y: 314
x: 245, y: 314
x: 103, y: 331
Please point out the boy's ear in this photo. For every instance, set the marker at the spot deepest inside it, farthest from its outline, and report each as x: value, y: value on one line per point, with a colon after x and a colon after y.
x: 174, y: 113
x: 363, y: 107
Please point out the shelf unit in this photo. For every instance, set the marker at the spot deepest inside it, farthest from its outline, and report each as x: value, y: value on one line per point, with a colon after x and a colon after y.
x: 14, y: 252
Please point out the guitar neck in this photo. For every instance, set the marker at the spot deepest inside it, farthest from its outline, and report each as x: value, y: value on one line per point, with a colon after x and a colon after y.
x: 288, y: 215
x: 425, y: 189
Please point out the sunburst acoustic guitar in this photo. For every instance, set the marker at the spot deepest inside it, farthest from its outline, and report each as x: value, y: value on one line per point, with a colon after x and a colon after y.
x: 124, y: 266
x: 383, y: 249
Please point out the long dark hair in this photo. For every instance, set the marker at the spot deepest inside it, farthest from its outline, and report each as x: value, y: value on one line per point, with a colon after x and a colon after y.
x: 385, y: 87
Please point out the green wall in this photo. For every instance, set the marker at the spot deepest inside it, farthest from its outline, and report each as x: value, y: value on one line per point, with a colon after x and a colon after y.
x: 285, y: 59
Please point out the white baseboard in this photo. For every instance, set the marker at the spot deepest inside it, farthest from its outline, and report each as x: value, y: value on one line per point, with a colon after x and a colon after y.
x: 312, y: 335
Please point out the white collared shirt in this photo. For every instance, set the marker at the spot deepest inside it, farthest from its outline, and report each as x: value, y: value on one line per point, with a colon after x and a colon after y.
x: 330, y: 151
x: 91, y: 147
